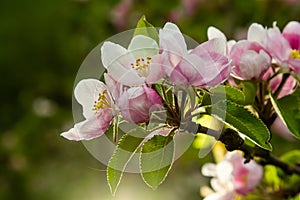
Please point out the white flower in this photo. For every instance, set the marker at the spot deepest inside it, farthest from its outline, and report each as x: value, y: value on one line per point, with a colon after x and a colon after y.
x: 98, y: 110
x: 136, y: 65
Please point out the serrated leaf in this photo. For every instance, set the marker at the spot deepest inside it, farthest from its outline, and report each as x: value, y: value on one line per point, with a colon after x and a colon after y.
x: 288, y: 109
x: 156, y: 160
x: 244, y: 122
x: 223, y: 92
x: 126, y: 149
x: 143, y: 27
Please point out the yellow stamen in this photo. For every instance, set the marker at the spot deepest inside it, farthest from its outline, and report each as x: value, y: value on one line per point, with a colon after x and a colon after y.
x: 141, y: 66
x: 295, y: 54
x: 102, y: 101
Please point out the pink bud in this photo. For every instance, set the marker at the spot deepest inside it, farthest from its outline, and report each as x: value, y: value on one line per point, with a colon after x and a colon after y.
x: 250, y: 60
x: 137, y: 103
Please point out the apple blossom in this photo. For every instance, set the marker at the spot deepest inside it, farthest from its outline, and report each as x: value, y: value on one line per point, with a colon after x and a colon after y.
x: 137, y: 103
x: 203, y: 66
x: 136, y: 65
x: 232, y: 177
x: 279, y: 46
x: 250, y: 60
x: 98, y: 110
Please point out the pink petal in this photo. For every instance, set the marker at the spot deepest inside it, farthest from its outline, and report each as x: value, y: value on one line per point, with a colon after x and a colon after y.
x: 291, y: 32
x: 216, y: 45
x: 156, y: 70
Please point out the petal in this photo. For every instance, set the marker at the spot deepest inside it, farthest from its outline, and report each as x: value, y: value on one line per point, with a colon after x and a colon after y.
x: 156, y: 70
x: 141, y: 47
x: 89, y: 129
x: 209, y: 169
x: 277, y: 45
x: 172, y: 42
x: 216, y: 45
x: 256, y: 33
x: 292, y: 33
x: 86, y: 92
x: 71, y: 134
x: 213, y: 32
x: 125, y: 76
x: 224, y: 171
x: 95, y: 126
x: 113, y: 86
x: 111, y: 52
x: 295, y: 65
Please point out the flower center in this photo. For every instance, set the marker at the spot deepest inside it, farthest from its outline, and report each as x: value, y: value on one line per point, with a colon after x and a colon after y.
x: 141, y: 66
x: 102, y: 102
x: 295, y: 54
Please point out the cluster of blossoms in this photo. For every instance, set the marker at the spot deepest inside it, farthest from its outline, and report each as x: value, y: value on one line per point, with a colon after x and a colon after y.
x: 131, y: 73
x: 267, y: 57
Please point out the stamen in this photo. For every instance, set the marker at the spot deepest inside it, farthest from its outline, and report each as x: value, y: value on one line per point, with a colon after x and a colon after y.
x: 141, y: 66
x: 101, y: 102
x: 295, y: 54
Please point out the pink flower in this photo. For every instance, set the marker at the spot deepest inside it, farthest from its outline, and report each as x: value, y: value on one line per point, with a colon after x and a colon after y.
x: 98, y: 110
x: 203, y: 66
x: 137, y: 103
x: 138, y: 64
x: 232, y: 177
x: 280, y: 47
x: 250, y: 60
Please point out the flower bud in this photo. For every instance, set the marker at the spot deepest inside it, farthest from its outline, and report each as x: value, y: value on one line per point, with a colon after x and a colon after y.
x: 250, y: 60
x: 137, y: 103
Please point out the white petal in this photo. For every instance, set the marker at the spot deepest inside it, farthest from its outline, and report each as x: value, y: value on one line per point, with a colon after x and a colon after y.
x: 128, y: 77
x: 256, y: 33
x: 213, y: 32
x: 142, y: 47
x: 172, y: 41
x: 230, y: 43
x: 224, y: 171
x: 90, y: 129
x: 71, y: 134
x: 110, y: 52
x: 86, y: 92
x: 209, y: 169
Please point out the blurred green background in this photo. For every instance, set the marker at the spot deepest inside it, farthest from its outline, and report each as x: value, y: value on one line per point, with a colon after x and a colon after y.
x: 42, y: 44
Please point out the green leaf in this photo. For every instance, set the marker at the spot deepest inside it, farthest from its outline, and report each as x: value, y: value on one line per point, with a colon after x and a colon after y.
x: 125, y: 150
x: 244, y: 122
x: 156, y: 160
x: 288, y: 109
x: 249, y: 89
x: 223, y: 92
x: 143, y: 27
